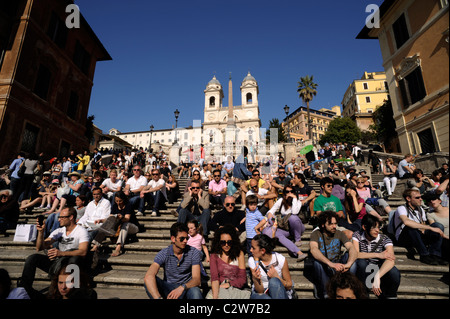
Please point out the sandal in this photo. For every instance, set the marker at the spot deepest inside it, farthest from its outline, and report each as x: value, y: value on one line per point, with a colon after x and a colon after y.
x: 117, y: 253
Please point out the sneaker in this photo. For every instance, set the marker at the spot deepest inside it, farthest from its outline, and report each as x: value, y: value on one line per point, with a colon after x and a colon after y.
x: 298, y: 244
x: 154, y: 214
x: 429, y: 260
x: 139, y: 214
x: 301, y: 257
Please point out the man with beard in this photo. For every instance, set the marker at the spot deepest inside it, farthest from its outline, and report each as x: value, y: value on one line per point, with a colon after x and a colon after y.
x: 325, y: 246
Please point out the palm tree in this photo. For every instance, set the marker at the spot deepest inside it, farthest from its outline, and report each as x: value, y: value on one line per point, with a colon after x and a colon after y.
x: 306, y: 91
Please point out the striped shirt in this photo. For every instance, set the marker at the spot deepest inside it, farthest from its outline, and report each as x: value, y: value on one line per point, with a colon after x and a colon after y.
x: 178, y: 271
x: 366, y: 246
x: 251, y: 220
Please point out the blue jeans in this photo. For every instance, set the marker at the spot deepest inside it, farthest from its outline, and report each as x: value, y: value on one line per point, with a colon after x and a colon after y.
x: 276, y: 291
x: 415, y: 238
x: 322, y: 274
x: 184, y: 215
x: 389, y: 283
x: 158, y: 199
x: 165, y: 288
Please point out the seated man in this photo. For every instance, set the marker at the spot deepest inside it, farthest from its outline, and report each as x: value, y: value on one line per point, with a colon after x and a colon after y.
x: 181, y: 264
x: 133, y: 188
x: 9, y: 211
x: 281, y: 181
x: 156, y: 191
x: 376, y: 249
x: 325, y: 244
x: 411, y: 229
x: 327, y: 201
x: 245, y: 187
x: 305, y: 194
x: 73, y: 247
x: 406, y: 167
x: 97, y: 211
x: 228, y: 215
x: 195, y: 205
x: 265, y: 198
x: 217, y: 189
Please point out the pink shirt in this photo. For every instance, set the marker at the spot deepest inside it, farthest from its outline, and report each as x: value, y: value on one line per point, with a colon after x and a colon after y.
x: 197, y: 241
x: 217, y: 187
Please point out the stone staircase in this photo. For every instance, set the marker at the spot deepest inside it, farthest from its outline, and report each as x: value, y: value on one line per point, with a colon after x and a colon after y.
x: 122, y: 277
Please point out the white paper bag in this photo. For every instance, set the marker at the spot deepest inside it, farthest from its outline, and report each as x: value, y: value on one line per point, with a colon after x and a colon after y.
x: 25, y: 233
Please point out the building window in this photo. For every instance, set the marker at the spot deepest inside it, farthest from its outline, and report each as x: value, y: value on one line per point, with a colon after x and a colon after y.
x: 82, y: 58
x: 57, y: 31
x: 369, y: 110
x: 72, y: 108
x: 212, y: 101
x: 367, y: 99
x: 426, y: 141
x: 401, y: 33
x: 412, y: 87
x: 444, y: 3
x: 366, y: 86
x: 64, y: 149
x: 42, y: 82
x: 29, y: 138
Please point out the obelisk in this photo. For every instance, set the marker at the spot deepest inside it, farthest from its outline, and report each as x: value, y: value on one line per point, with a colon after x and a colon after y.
x: 230, y: 122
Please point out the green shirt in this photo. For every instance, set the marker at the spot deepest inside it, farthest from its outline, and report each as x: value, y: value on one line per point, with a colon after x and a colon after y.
x: 323, y: 203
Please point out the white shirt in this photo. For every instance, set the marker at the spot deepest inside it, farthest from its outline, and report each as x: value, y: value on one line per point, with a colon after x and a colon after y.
x: 137, y: 183
x: 108, y: 183
x: 416, y: 216
x: 73, y: 240
x: 261, y: 192
x: 295, y: 209
x: 277, y: 262
x: 95, y: 212
x: 160, y: 182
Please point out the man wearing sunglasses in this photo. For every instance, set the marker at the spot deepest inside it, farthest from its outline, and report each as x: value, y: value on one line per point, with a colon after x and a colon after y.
x: 326, y: 201
x: 228, y: 215
x: 281, y: 181
x: 73, y: 246
x: 133, y: 188
x: 411, y: 228
x: 181, y: 264
x: 195, y: 205
x: 265, y: 198
x: 217, y: 189
x: 245, y: 188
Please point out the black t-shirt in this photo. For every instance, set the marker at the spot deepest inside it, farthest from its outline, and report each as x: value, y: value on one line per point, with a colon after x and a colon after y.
x: 305, y: 190
x: 128, y: 209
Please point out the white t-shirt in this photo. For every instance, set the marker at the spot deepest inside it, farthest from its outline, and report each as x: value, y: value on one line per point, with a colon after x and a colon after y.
x: 137, y: 183
x: 415, y: 216
x: 277, y: 262
x: 108, y: 183
x: 77, y: 236
x: 160, y: 182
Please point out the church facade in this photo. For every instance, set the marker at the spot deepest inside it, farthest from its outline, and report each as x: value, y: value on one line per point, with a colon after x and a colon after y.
x: 242, y: 121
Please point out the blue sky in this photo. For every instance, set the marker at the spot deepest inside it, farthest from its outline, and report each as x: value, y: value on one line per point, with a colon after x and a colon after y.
x: 165, y: 52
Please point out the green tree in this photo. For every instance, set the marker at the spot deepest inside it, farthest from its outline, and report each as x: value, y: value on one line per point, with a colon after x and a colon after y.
x: 383, y: 123
x: 342, y: 130
x: 307, y: 89
x: 275, y: 123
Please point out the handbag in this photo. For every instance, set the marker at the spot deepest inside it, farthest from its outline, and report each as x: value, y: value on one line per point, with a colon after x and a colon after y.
x: 25, y: 233
x: 283, y: 221
x: 21, y: 170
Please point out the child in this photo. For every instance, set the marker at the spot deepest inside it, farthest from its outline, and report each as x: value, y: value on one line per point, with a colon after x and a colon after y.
x: 196, y: 239
x: 252, y: 218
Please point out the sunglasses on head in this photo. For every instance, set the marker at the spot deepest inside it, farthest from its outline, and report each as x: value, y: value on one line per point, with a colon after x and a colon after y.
x: 225, y: 242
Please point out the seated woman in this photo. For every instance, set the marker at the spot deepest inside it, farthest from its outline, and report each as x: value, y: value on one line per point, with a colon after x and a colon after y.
x: 122, y: 221
x: 354, y: 208
x: 59, y: 289
x: 390, y: 180
x: 74, y: 185
x: 420, y: 181
x: 289, y: 207
x: 172, y: 189
x: 270, y: 271
x: 364, y: 193
x: 228, y: 275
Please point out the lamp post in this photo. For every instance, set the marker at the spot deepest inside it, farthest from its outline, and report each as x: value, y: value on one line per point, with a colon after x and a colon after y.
x: 286, y: 110
x: 151, y: 134
x: 177, y: 113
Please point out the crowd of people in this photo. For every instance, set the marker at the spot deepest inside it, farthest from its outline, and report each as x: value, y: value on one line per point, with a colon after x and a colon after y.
x: 86, y: 199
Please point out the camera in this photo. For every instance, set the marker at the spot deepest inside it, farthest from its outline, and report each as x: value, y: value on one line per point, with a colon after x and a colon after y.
x: 41, y: 220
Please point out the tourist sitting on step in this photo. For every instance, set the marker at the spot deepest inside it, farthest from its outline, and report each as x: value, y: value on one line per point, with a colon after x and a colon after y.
x: 229, y: 215
x: 439, y: 214
x: 345, y: 285
x: 155, y: 192
x: 72, y: 249
x: 265, y: 197
x: 195, y: 205
x: 111, y: 186
x: 133, y: 187
x: 374, y: 206
x: 227, y: 266
x: 412, y: 229
x: 420, y: 181
x: 181, y: 264
x: 305, y: 194
x: 9, y: 211
x: 376, y: 249
x: 121, y: 223
x: 269, y: 270
x: 172, y: 189
x: 217, y: 190
x: 406, y: 167
x: 390, y: 178
x: 241, y: 173
x: 325, y: 246
x: 287, y: 224
x: 96, y: 213
x: 280, y: 181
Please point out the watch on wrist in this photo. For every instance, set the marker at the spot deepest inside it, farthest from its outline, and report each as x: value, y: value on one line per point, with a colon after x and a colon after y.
x: 184, y: 286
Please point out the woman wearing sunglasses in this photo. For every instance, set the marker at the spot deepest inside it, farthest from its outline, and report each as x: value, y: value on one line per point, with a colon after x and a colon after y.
x: 228, y: 274
x: 289, y: 207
